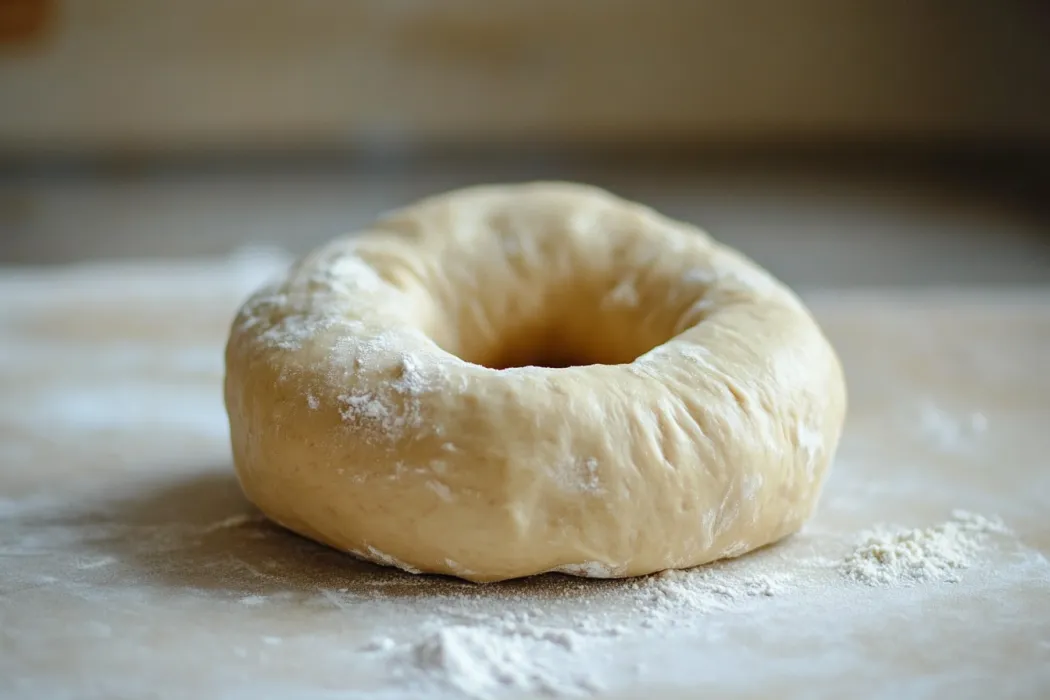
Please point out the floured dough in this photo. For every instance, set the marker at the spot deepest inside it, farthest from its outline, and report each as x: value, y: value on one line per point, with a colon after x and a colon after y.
x: 684, y: 408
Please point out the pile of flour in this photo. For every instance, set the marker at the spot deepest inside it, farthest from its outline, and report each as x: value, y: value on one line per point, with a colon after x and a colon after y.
x: 901, y: 556
x: 479, y: 654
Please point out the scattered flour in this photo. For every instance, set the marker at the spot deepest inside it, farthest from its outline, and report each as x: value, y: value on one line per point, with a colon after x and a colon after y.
x: 885, y: 557
x: 588, y: 569
x: 548, y: 636
x: 294, y: 330
x: 623, y: 294
x: 591, y: 482
x: 343, y: 274
x: 375, y: 556
x: 392, y: 409
x: 386, y: 406
x: 441, y: 489
x: 347, y: 274
x: 551, y: 636
x: 947, y: 431
x: 96, y: 563
x: 699, y: 276
x: 380, y: 644
x: 478, y: 653
x: 232, y: 521
x: 253, y: 600
x: 579, y: 476
x: 811, y: 441
x: 668, y: 595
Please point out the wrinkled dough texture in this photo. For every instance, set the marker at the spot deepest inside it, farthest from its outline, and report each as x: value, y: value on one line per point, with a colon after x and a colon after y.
x: 377, y: 402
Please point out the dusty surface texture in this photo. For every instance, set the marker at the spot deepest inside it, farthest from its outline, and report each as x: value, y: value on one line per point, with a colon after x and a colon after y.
x: 130, y: 564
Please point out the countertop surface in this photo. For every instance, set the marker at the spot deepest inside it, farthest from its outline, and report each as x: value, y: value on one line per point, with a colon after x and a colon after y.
x: 131, y: 566
x: 854, y: 221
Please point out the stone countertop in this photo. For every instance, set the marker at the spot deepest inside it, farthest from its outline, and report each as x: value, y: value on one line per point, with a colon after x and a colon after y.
x: 131, y: 566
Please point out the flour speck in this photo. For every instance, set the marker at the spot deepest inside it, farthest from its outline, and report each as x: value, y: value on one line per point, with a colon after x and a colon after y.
x: 589, y: 569
x: 947, y: 431
x: 392, y: 408
x: 380, y: 644
x: 623, y: 294
x: 580, y: 475
x: 253, y: 600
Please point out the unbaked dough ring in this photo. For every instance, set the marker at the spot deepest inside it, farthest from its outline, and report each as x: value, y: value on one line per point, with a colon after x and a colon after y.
x: 688, y: 409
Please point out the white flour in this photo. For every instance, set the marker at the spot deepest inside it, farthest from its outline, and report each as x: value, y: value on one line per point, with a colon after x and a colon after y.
x: 479, y: 662
x: 392, y: 408
x: 481, y: 653
x: 886, y: 556
x: 578, y: 476
x: 625, y: 294
x: 588, y: 569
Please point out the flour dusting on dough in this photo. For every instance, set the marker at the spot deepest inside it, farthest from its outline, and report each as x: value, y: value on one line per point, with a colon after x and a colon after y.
x: 591, y: 481
x: 351, y: 273
x: 367, y: 407
x: 735, y: 549
x: 698, y: 275
x: 458, y: 568
x: 296, y: 321
x: 392, y: 409
x: 375, y: 556
x: 590, y: 569
x: 579, y: 476
x: 812, y: 443
x: 623, y: 294
x: 707, y: 527
x: 291, y: 332
x: 441, y: 489
x: 752, y: 484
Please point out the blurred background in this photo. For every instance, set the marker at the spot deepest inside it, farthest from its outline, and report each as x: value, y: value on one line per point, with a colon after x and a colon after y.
x: 839, y: 143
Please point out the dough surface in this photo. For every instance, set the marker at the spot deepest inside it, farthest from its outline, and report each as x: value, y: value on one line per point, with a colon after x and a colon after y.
x: 685, y: 406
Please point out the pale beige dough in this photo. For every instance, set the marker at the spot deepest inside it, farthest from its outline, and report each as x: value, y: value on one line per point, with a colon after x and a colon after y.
x: 378, y: 402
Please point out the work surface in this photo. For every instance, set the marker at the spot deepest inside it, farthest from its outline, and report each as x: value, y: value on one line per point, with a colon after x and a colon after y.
x: 131, y: 566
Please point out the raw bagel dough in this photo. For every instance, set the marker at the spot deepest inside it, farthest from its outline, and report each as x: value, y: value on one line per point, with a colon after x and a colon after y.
x: 368, y: 411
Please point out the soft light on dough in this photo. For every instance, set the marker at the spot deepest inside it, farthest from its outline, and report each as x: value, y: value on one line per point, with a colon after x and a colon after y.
x: 507, y: 380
